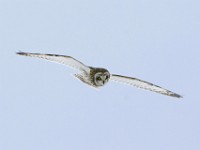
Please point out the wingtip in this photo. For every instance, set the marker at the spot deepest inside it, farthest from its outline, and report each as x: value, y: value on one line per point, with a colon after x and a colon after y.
x: 21, y: 53
x: 176, y: 95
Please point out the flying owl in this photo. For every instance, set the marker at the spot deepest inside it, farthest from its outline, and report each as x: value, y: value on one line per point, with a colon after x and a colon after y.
x: 97, y: 77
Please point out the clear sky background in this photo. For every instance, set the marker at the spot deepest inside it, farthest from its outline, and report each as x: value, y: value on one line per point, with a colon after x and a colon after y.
x: 42, y: 107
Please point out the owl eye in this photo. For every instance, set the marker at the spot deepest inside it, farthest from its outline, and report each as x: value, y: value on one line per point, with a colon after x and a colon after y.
x: 98, y: 78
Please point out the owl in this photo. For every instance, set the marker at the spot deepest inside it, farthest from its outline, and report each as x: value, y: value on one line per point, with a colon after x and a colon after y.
x: 98, y: 77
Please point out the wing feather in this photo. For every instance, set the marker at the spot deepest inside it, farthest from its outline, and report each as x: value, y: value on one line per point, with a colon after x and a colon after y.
x: 143, y: 84
x: 61, y: 59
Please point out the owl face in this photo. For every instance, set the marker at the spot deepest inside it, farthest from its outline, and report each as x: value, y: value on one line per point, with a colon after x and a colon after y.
x: 100, y: 76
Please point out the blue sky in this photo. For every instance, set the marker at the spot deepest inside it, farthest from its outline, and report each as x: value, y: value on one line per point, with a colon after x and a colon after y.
x: 43, y: 107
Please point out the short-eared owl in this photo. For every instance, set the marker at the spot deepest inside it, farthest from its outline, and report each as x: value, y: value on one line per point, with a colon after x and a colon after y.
x: 97, y: 77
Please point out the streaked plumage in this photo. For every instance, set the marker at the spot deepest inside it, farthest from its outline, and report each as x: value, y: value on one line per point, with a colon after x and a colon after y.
x: 98, y: 77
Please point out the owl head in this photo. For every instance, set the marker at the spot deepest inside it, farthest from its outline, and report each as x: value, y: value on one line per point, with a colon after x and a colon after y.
x: 100, y: 76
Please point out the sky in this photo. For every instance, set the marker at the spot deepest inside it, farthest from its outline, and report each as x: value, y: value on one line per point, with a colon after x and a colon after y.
x: 43, y: 107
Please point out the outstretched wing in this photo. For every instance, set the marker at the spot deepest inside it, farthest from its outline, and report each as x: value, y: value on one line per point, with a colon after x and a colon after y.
x: 143, y: 84
x: 61, y: 59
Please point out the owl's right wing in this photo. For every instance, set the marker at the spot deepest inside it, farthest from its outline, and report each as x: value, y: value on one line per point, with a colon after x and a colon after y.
x: 143, y: 84
x: 61, y: 59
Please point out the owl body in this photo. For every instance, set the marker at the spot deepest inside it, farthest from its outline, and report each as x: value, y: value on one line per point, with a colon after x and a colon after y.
x: 98, y: 77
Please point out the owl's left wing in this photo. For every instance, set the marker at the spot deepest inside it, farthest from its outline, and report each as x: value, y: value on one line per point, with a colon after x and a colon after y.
x: 143, y: 84
x: 61, y: 59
